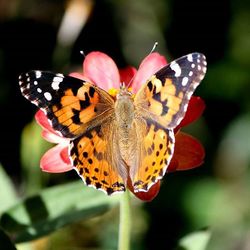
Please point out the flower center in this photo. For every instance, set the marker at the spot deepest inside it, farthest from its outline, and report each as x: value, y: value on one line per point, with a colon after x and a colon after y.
x: 113, y: 92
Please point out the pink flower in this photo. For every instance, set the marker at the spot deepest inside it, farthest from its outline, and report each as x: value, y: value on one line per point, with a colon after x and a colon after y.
x: 101, y: 70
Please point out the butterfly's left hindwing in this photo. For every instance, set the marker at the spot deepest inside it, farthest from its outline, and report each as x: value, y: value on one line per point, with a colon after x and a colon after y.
x: 96, y: 157
x: 70, y: 104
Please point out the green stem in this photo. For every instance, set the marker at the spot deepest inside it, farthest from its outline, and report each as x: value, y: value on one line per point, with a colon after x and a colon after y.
x: 125, y: 222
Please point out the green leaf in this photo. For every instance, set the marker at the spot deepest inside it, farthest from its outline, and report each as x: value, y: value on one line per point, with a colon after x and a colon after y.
x: 54, y: 208
x: 195, y: 241
x: 7, y: 192
x: 5, y: 242
x: 32, y: 148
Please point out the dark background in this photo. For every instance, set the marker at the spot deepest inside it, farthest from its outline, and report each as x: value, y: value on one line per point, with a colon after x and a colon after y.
x: 215, y: 195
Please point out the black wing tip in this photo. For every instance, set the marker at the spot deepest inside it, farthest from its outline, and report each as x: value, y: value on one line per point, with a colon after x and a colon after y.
x: 197, y: 55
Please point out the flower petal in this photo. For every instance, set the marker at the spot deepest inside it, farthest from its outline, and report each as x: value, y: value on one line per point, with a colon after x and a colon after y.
x: 101, y: 70
x: 56, y: 160
x: 188, y: 153
x: 79, y: 76
x: 195, y: 109
x: 150, y: 65
x: 48, y: 132
x: 151, y: 194
x: 42, y: 120
x: 53, y: 138
x: 145, y: 196
x: 127, y: 74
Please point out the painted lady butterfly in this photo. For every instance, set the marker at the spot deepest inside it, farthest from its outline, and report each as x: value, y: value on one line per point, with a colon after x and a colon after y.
x: 117, y: 139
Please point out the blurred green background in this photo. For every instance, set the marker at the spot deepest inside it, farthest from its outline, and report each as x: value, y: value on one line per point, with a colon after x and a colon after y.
x: 48, y: 35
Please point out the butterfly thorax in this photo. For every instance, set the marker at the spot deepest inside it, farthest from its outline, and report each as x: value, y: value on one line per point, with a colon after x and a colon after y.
x: 124, y: 109
x: 124, y: 117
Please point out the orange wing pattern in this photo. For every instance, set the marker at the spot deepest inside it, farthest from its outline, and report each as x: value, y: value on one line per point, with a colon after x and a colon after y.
x: 97, y: 161
x: 164, y: 98
x: 155, y: 144
x: 71, y: 105
x: 162, y: 103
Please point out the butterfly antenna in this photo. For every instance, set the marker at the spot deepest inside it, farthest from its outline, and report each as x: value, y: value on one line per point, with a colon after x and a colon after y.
x: 82, y: 53
x: 154, y: 47
x: 151, y: 51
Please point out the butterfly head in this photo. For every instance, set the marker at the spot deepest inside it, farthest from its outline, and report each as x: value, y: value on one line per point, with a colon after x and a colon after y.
x: 124, y: 92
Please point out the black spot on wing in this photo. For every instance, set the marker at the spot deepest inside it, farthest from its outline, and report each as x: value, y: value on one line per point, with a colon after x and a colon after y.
x: 85, y: 103
x: 150, y: 86
x: 76, y: 116
x: 91, y: 91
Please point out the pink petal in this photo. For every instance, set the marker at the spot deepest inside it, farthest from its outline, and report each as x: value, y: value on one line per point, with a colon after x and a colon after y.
x: 127, y: 75
x: 53, y: 138
x: 150, y: 65
x: 42, y: 120
x: 101, y: 70
x: 48, y: 132
x: 79, y: 76
x: 56, y: 160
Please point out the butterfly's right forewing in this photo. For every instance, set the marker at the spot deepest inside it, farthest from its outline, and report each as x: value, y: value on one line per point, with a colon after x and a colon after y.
x: 165, y: 97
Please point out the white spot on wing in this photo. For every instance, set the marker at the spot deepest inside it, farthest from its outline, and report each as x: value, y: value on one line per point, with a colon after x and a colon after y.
x: 55, y: 85
x: 35, y: 82
x: 60, y: 75
x: 38, y: 74
x: 190, y: 73
x: 48, y: 96
x: 176, y: 68
x: 190, y: 58
x: 184, y: 81
x: 57, y: 79
x: 39, y: 90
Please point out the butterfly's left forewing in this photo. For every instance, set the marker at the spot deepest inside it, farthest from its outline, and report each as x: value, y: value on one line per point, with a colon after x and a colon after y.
x: 71, y: 105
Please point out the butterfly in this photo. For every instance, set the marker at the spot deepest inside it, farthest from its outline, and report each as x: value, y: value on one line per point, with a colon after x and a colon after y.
x: 126, y: 138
